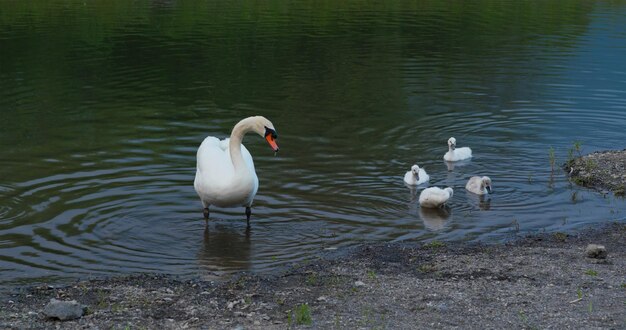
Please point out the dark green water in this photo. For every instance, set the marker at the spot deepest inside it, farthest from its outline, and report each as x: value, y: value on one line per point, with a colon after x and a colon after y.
x: 104, y: 103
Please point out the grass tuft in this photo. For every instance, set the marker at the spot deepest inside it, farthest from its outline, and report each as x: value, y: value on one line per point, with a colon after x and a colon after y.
x: 435, y: 245
x: 303, y: 314
x: 561, y: 237
x: 591, y: 272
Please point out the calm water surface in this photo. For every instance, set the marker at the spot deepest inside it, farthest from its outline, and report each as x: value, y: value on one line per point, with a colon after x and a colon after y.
x: 103, y: 105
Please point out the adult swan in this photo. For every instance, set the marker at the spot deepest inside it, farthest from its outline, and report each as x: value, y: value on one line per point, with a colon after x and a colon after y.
x: 225, y: 175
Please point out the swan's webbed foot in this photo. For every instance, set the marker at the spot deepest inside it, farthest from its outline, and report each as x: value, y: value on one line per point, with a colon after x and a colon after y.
x: 206, y: 215
x: 248, y: 213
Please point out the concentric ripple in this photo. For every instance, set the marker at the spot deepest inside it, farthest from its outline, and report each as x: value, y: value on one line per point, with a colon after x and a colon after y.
x: 103, y: 106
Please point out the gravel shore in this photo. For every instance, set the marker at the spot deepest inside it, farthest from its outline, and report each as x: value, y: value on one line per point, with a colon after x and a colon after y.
x: 541, y: 281
x: 602, y: 171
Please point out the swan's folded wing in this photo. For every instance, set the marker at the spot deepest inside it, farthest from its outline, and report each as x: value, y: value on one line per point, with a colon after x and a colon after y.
x: 213, y: 162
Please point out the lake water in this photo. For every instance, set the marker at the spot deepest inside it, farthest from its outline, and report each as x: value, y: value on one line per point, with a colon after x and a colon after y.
x: 103, y: 105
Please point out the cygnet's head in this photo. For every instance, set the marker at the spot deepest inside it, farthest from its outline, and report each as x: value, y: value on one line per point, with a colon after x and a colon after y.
x: 486, y: 184
x: 451, y: 143
x: 448, y: 189
x: 416, y: 171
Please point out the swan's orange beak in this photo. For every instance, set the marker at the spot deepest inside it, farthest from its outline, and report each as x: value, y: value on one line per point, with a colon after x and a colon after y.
x: 271, y: 136
x: 272, y: 142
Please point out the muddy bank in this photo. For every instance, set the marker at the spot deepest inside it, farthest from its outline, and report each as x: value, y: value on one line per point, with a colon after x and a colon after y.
x: 536, y: 282
x: 600, y: 170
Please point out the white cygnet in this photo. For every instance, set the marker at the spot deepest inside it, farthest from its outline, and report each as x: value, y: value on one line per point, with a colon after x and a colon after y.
x: 435, y: 197
x: 416, y: 176
x: 455, y: 154
x: 479, y: 185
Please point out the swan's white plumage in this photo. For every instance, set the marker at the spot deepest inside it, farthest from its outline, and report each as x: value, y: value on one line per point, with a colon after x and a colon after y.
x: 479, y: 185
x: 411, y: 179
x: 455, y: 154
x: 225, y: 174
x: 435, y: 196
x: 216, y: 182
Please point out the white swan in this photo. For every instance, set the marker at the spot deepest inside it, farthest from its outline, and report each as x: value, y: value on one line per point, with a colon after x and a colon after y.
x: 225, y: 175
x: 455, y: 154
x: 435, y: 197
x: 479, y: 185
x: 416, y: 176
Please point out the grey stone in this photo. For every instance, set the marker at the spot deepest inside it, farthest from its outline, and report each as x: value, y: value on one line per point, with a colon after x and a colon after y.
x: 64, y: 310
x: 596, y: 251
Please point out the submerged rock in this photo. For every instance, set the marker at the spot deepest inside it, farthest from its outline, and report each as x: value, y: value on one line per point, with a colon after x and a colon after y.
x: 64, y: 310
x: 596, y: 251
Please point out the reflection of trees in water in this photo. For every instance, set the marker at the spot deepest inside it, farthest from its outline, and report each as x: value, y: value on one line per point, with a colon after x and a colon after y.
x: 435, y: 218
x: 225, y: 248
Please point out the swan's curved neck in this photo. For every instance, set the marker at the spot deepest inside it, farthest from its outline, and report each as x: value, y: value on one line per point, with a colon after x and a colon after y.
x: 236, y: 137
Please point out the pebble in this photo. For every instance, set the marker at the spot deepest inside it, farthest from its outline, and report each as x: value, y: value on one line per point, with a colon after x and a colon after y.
x: 359, y: 284
x: 596, y: 251
x: 64, y: 310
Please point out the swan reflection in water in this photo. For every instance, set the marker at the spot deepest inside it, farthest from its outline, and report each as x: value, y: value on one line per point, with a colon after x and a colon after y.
x: 460, y: 163
x: 483, y: 201
x: 435, y: 218
x: 225, y: 248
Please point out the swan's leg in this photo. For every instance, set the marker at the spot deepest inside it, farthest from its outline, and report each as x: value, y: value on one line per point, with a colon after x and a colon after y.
x: 248, y: 213
x: 206, y: 215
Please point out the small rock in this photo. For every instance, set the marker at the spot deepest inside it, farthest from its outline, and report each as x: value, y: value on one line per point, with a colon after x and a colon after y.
x: 64, y: 310
x: 321, y: 298
x: 596, y: 251
x: 257, y: 322
x: 359, y: 284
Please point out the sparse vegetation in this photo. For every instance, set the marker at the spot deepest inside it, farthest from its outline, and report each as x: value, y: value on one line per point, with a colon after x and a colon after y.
x: 579, y: 293
x: 371, y: 274
x: 515, y: 224
x: 561, y: 237
x: 303, y: 314
x: 591, y: 272
x: 427, y: 268
x: 578, y: 148
x: 621, y: 191
x: 311, y: 279
x: 434, y: 245
x: 590, y: 165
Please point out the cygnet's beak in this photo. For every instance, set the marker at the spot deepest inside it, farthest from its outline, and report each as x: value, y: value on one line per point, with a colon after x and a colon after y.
x: 488, y: 189
x: 452, y: 146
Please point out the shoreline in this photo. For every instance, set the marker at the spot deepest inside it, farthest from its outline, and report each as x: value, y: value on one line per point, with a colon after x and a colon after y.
x: 538, y: 281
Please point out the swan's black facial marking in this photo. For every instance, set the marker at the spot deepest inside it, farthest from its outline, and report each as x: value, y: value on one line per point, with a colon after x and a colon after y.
x: 270, y: 132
